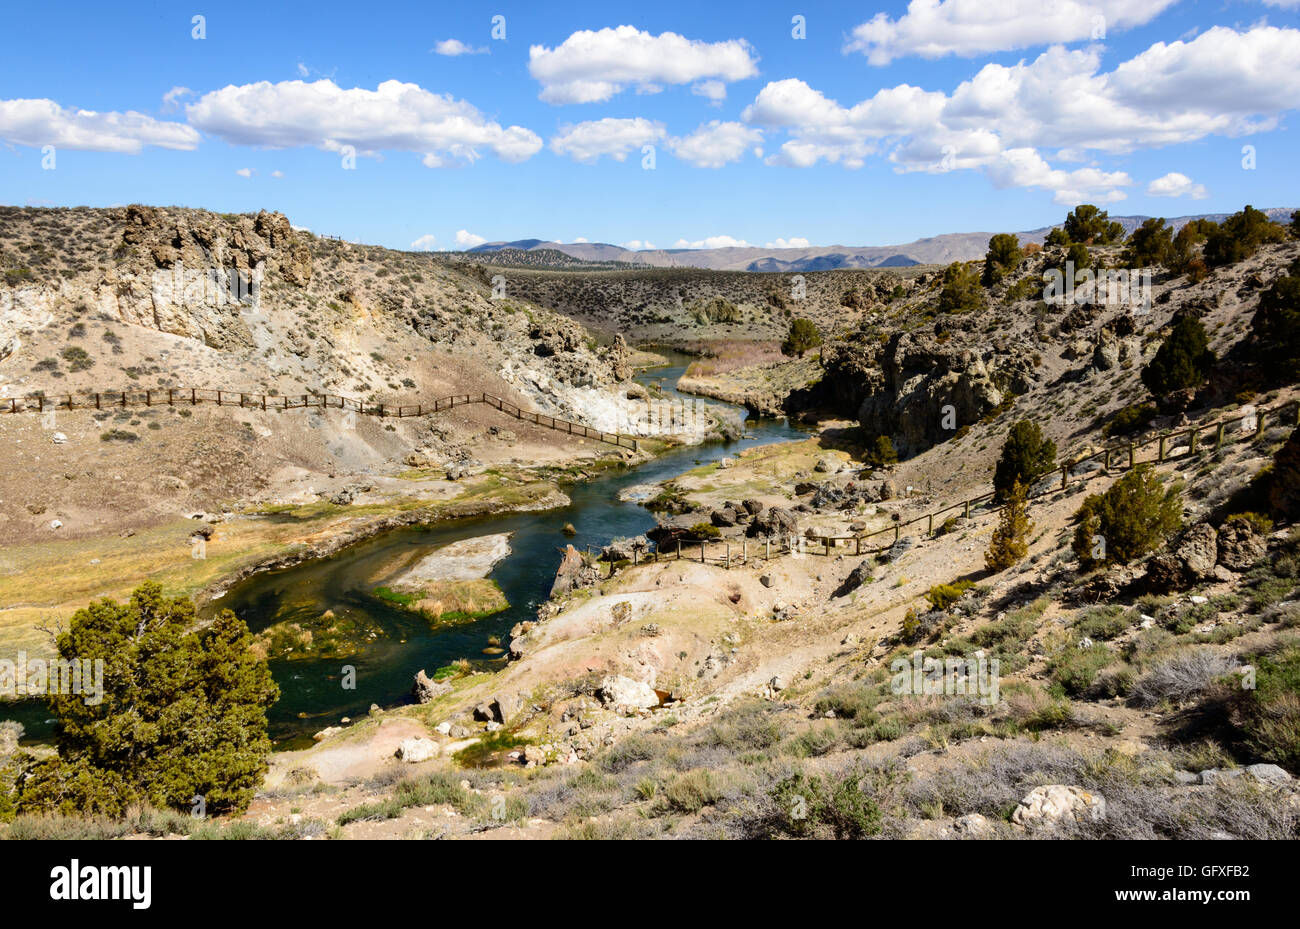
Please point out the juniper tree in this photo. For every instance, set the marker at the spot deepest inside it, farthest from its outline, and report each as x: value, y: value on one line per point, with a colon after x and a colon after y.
x: 1151, y: 243
x: 182, y: 715
x: 1276, y: 325
x: 961, y: 291
x: 1003, y: 256
x: 802, y: 336
x: 1183, y: 360
x: 1026, y: 455
x: 1010, y: 542
x: 1240, y: 236
x: 1135, y: 516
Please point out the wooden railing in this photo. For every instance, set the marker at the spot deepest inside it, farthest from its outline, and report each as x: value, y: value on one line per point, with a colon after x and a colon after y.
x: 192, y: 396
x: 1118, y: 456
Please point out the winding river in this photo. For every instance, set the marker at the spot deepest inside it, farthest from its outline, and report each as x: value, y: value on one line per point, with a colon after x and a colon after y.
x: 312, y: 691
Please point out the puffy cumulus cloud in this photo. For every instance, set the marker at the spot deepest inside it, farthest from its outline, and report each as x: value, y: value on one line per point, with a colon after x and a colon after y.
x: 393, y: 117
x: 637, y: 245
x: 245, y: 172
x: 713, y: 241
x: 713, y: 90
x: 716, y: 143
x: 40, y: 122
x: 425, y: 243
x: 1174, y: 184
x: 454, y: 47
x: 1221, y: 82
x: 587, y: 142
x: 937, y: 28
x: 468, y: 239
x: 588, y: 66
x: 793, y: 242
x: 1024, y: 167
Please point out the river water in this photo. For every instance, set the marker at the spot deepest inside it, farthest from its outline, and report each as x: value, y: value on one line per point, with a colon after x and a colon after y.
x: 312, y: 692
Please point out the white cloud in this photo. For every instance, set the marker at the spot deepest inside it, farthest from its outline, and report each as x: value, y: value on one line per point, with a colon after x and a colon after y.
x: 245, y: 172
x: 937, y: 28
x: 468, y: 239
x: 172, y: 97
x: 793, y: 242
x: 453, y: 47
x: 592, y: 66
x: 1174, y: 184
x: 1222, y: 82
x: 587, y: 142
x: 637, y: 245
x: 37, y: 123
x: 1284, y: 4
x: 425, y: 243
x: 714, y: 90
x: 715, y: 143
x: 1024, y: 167
x: 303, y: 70
x: 277, y: 174
x: 713, y: 241
x: 580, y: 240
x: 395, y: 116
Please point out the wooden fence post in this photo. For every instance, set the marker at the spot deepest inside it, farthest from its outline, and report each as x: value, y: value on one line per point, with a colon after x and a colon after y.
x: 1162, y: 448
x: 1192, y: 441
x: 1065, y: 476
x: 1132, y: 452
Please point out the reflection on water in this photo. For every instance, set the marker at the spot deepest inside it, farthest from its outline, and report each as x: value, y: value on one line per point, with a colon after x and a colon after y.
x: 400, y: 643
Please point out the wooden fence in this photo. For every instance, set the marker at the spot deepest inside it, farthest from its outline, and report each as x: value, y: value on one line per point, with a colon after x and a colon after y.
x: 192, y: 396
x: 1116, y: 457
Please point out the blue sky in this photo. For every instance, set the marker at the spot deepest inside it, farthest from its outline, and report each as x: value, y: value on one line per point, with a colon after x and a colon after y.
x: 885, y: 124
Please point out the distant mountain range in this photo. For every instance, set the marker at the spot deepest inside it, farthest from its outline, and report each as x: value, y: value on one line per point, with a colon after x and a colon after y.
x: 940, y: 249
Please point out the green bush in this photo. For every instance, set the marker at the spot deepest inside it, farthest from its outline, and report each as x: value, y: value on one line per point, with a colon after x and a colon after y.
x: 1026, y: 456
x: 1132, y: 419
x: 1135, y: 516
x: 942, y: 596
x: 1151, y: 243
x: 1074, y: 669
x: 1003, y: 256
x: 183, y: 712
x: 1268, y: 717
x: 961, y: 291
x: 1102, y: 622
x: 1240, y: 236
x: 802, y: 337
x: 841, y: 806
x: 1090, y: 225
x: 1183, y: 360
x: 1276, y: 325
x: 882, y: 453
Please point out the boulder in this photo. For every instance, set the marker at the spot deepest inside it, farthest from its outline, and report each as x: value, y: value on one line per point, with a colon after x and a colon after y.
x: 752, y: 507
x: 1051, y: 805
x: 1199, y: 551
x: 973, y: 825
x: 723, y: 519
x: 620, y: 691
x: 1268, y: 773
x: 856, y: 578
x: 1240, y: 544
x: 413, y: 751
x: 573, y: 573
x: 504, y: 706
x: 776, y: 521
x: 827, y: 465
x: 426, y: 689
